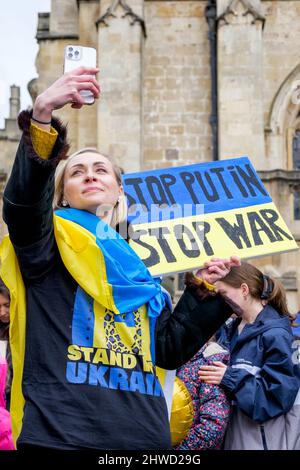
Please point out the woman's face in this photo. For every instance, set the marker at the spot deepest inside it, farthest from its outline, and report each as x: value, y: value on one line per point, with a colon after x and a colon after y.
x: 90, y: 182
x: 4, y: 309
x: 237, y: 295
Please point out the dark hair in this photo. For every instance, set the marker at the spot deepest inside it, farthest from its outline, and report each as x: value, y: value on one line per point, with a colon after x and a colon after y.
x: 260, y: 286
x: 4, y: 327
x: 4, y: 291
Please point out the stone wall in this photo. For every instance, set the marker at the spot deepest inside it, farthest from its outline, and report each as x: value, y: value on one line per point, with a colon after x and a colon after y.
x: 240, y: 85
x: 176, y: 85
x: 120, y: 48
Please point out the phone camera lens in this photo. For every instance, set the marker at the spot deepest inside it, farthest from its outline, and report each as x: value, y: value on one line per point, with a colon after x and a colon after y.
x: 76, y: 52
x: 70, y: 55
x: 70, y: 49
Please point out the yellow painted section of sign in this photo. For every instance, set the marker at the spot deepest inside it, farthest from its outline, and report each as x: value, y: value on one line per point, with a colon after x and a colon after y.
x: 184, y: 244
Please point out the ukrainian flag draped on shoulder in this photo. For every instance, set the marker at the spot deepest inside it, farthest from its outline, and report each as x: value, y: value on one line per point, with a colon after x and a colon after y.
x: 103, y: 265
x: 125, y: 283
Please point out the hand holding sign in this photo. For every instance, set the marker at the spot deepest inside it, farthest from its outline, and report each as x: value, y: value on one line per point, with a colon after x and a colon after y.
x: 216, y: 269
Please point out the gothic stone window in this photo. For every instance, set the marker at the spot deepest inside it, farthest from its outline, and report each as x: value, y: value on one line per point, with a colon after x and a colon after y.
x: 296, y: 165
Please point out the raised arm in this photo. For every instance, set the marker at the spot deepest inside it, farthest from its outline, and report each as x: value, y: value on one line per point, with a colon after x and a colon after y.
x: 27, y: 202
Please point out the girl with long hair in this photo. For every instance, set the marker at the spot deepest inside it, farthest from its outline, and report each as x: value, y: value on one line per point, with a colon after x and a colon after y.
x: 262, y: 378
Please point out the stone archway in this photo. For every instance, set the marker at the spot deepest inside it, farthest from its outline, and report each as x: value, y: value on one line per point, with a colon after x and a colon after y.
x: 283, y: 116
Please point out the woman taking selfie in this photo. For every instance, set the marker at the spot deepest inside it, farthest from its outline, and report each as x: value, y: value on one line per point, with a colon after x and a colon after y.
x: 96, y: 321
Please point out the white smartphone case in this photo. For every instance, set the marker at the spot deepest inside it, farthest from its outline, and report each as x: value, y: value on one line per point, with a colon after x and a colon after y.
x: 77, y: 56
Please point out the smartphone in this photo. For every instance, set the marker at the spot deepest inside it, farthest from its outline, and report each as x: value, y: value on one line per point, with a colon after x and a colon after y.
x: 77, y: 56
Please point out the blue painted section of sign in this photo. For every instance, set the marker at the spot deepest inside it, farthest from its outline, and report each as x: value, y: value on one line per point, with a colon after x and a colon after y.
x: 193, y: 190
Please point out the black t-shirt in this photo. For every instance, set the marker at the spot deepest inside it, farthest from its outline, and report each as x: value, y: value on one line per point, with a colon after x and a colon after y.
x: 88, y: 378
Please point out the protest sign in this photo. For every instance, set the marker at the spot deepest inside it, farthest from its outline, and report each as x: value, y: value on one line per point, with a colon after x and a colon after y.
x: 181, y: 217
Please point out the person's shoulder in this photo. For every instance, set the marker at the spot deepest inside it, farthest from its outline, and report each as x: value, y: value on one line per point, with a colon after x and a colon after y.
x: 273, y: 322
x: 278, y: 334
x: 296, y: 326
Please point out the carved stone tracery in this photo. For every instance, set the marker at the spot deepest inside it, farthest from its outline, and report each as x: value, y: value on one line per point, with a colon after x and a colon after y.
x: 110, y: 13
x: 242, y: 8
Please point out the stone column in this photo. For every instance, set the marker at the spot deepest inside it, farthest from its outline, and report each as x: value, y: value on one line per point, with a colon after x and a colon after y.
x: 14, y: 102
x: 240, y: 86
x: 64, y: 17
x: 54, y: 32
x: 87, y: 116
x: 3, y: 227
x: 120, y: 42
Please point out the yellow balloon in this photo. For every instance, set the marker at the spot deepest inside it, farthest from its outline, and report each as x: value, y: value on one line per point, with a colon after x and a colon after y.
x: 182, y: 412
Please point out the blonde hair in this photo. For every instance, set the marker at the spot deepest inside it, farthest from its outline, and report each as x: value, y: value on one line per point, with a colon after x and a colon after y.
x: 119, y: 214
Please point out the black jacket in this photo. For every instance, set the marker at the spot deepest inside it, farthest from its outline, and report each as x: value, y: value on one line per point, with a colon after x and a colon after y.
x: 52, y: 412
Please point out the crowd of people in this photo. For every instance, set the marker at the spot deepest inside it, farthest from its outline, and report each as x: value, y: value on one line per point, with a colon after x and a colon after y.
x: 89, y: 324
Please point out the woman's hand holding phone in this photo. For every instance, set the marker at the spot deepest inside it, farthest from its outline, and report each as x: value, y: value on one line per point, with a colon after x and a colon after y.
x: 66, y: 90
x: 80, y: 56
